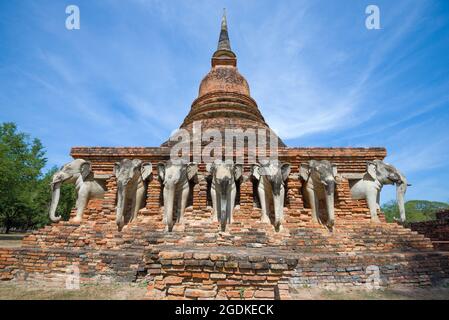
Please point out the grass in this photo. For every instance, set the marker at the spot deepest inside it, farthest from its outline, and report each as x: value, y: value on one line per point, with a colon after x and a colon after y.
x: 12, y: 240
x: 398, y: 293
x: 116, y: 291
x: 137, y: 291
x: 10, y: 243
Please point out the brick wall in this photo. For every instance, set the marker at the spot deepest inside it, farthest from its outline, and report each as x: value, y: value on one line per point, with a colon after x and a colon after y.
x: 250, y: 259
x: 437, y: 230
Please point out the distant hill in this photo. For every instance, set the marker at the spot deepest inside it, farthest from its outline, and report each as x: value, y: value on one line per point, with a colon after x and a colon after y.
x: 415, y: 210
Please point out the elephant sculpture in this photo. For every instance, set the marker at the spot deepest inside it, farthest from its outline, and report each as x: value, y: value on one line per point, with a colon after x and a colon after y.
x: 271, y: 180
x: 377, y: 175
x: 176, y: 180
x: 223, y: 189
x: 80, y: 173
x: 132, y: 183
x: 319, y: 183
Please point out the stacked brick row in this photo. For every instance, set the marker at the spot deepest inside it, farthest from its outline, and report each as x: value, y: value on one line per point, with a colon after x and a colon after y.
x: 437, y: 230
x: 265, y: 274
x: 8, y: 262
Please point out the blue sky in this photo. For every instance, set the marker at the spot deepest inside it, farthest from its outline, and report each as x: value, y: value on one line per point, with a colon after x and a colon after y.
x: 129, y: 75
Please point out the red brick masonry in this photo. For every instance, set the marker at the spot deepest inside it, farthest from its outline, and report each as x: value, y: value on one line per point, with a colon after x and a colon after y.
x: 248, y: 261
x: 437, y: 230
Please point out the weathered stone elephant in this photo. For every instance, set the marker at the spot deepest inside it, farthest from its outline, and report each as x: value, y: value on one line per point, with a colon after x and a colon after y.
x: 378, y: 174
x: 224, y: 176
x: 271, y: 178
x: 320, y: 180
x: 87, y: 187
x: 176, y: 178
x: 132, y: 183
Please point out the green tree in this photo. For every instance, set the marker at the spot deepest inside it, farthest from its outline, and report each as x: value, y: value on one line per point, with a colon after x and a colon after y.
x: 21, y: 162
x: 24, y: 189
x: 415, y: 210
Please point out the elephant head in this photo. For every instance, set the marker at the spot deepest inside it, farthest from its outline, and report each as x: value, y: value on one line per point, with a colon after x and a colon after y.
x: 272, y: 177
x: 132, y: 177
x: 385, y: 173
x: 223, y: 188
x: 175, y: 178
x: 320, y: 173
x: 72, y: 172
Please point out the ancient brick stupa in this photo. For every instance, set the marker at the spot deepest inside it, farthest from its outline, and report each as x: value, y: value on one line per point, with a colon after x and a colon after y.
x: 248, y: 257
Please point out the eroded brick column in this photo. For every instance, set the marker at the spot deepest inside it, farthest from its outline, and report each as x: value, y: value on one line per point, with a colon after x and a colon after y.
x: 200, y: 189
x: 153, y: 197
x: 110, y: 198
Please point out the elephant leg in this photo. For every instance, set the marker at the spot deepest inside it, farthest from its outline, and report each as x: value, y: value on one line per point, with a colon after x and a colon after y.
x: 182, y: 203
x: 371, y: 199
x: 164, y: 216
x: 232, y: 204
x: 81, y: 202
x: 378, y: 201
x: 213, y: 194
x: 263, y: 202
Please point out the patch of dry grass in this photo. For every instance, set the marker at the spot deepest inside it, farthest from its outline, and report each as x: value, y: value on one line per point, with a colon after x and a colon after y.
x: 398, y: 293
x: 10, y: 243
x: 13, y: 240
x: 134, y: 291
x: 116, y: 291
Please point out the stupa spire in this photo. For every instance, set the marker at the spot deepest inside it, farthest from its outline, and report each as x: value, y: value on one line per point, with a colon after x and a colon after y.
x: 224, y: 54
x: 223, y: 41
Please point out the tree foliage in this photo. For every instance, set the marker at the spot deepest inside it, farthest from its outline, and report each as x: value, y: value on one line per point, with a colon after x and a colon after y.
x: 415, y: 210
x: 24, y: 189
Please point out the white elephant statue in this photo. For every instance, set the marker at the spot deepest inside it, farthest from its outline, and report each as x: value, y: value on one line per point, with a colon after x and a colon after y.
x: 223, y: 190
x: 175, y: 178
x: 80, y: 173
x: 320, y: 180
x: 378, y: 174
x: 271, y: 178
x: 132, y: 184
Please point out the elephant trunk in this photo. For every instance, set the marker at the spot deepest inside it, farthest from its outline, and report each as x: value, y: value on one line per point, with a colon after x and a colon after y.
x: 223, y: 209
x: 169, y: 197
x: 401, y: 188
x: 278, y: 209
x: 56, y: 192
x: 330, y: 190
x: 120, y: 219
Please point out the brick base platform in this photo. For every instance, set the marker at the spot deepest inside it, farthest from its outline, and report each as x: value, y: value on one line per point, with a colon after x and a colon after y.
x: 197, y: 261
x: 250, y: 260
x: 256, y: 273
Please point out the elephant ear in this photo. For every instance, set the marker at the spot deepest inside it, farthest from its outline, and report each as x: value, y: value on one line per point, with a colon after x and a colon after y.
x: 238, y: 171
x: 285, y: 170
x: 146, y: 170
x: 304, y: 171
x: 334, y: 170
x: 116, y: 168
x: 161, y: 171
x: 192, y: 170
x: 85, y: 169
x: 371, y: 169
x: 255, y: 171
x: 210, y: 167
